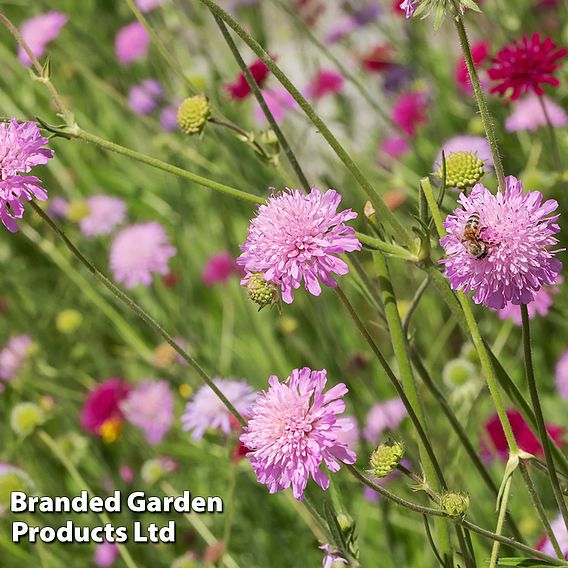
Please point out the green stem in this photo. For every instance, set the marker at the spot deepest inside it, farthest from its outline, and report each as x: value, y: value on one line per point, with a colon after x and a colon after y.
x: 553, y: 140
x: 384, y: 247
x: 242, y: 133
x: 131, y: 304
x: 541, y: 425
x: 501, y: 521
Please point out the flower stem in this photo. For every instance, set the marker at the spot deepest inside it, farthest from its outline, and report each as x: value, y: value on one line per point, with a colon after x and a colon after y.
x: 553, y: 140
x: 542, y: 432
x: 143, y: 315
x: 501, y: 521
x: 486, y: 118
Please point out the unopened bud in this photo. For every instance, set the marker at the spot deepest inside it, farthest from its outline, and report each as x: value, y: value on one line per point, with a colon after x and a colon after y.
x: 260, y: 291
x: 193, y: 114
x: 385, y: 459
x: 455, y: 504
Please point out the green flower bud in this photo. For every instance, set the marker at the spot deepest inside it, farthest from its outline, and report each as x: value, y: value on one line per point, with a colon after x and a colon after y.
x: 458, y: 372
x: 74, y: 446
x: 442, y: 7
x: 260, y: 291
x: 386, y: 458
x: 154, y: 470
x: 12, y: 479
x: 455, y: 504
x: 469, y: 352
x: 463, y: 170
x: 26, y: 417
x: 193, y: 114
x: 77, y: 210
x: 68, y: 321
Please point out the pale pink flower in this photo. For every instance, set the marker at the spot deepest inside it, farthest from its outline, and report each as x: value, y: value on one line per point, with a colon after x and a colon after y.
x: 332, y: 557
x: 13, y: 357
x: 528, y: 114
x: 476, y: 145
x: 383, y: 416
x: 279, y: 102
x: 106, y: 554
x: 349, y: 433
x: 105, y: 213
x: 147, y: 5
x: 131, y: 43
x: 144, y: 97
x: 38, y: 32
x: 561, y: 375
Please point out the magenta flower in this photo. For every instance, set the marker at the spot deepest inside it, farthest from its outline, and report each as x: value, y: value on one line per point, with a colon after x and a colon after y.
x: 150, y: 406
x: 13, y: 357
x: 279, y: 102
x: 332, y: 557
x: 131, y: 43
x: 21, y: 148
x: 558, y: 527
x: 325, y: 82
x: 528, y: 114
x: 147, y: 5
x: 476, y: 145
x: 139, y: 251
x: 206, y: 411
x: 296, y: 237
x: 409, y: 112
x: 218, y: 269
x: 383, y: 416
x: 561, y: 375
x: 144, y: 97
x: 293, y: 431
x: 38, y: 32
x: 106, y: 554
x: 517, y: 233
x: 105, y: 213
x: 394, y: 147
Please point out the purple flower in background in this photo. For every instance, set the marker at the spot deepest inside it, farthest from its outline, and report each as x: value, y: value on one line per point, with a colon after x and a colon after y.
x: 147, y: 5
x: 409, y: 112
x: 367, y: 14
x: 144, y: 97
x: 168, y: 117
x: 476, y: 145
x: 341, y: 30
x: 360, y: 18
x: 558, y: 527
x: 139, y: 251
x: 38, y: 32
x: 518, y: 231
x: 278, y: 100
x: 21, y: 148
x: 409, y: 7
x: 106, y: 554
x: 295, y: 237
x: 293, y: 432
x: 396, y: 77
x: 131, y: 43
x: 13, y: 357
x: 206, y: 411
x: 58, y: 207
x: 385, y: 415
x: 150, y: 406
x: 325, y: 82
x: 394, y: 147
x: 348, y: 434
x: 332, y: 556
x: 561, y: 375
x: 218, y: 269
x: 528, y: 114
x: 105, y: 213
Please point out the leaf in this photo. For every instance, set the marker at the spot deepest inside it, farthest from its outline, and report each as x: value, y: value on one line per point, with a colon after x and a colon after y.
x: 336, y: 532
x: 471, y: 5
x: 525, y: 562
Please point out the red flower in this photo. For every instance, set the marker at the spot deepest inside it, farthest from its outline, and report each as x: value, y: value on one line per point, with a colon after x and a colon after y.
x: 378, y: 59
x: 240, y: 89
x: 523, y: 67
x: 479, y: 52
x: 409, y: 111
x: 494, y: 441
x: 326, y: 82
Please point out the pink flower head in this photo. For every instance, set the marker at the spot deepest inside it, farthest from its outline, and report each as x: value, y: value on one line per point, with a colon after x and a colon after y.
x: 126, y: 474
x: 332, y: 557
x: 476, y: 145
x: 293, y: 431
x: 105, y: 213
x: 131, y: 43
x: 168, y: 117
x: 517, y: 231
x: 58, y: 207
x: 480, y: 54
x: 325, y: 82
x: 394, y: 147
x: 558, y: 527
x: 385, y: 415
x: 296, y: 237
x: 38, y: 32
x: 240, y: 89
x: 106, y: 554
x: 139, y: 251
x: 150, y: 406
x: 206, y: 411
x: 409, y: 112
x: 147, y: 5
x: 561, y: 375
x: 408, y: 7
x: 528, y: 114
x: 349, y: 433
x: 21, y: 148
x: 144, y: 97
x: 523, y: 67
x: 495, y: 437
x: 279, y: 102
x: 103, y: 404
x: 218, y: 269
x: 13, y: 357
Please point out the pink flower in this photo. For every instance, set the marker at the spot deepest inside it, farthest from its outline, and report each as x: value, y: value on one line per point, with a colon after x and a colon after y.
x: 528, y: 114
x: 325, y: 82
x: 144, y: 97
x: 394, y: 147
x: 409, y: 7
x: 409, y: 112
x: 139, y: 251
x: 131, y: 43
x: 561, y: 375
x: 480, y: 54
x: 150, y: 406
x: 102, y: 405
x: 293, y: 432
x: 38, y: 32
x: 476, y: 145
x: 147, y: 5
x: 105, y: 213
x: 518, y: 256
x: 332, y: 557
x: 240, y: 89
x: 558, y: 527
x: 279, y: 102
x: 385, y: 415
x: 168, y: 117
x: 13, y: 357
x: 295, y: 237
x: 21, y: 148
x: 218, y: 269
x: 126, y: 474
x: 106, y: 554
x: 349, y: 434
x: 206, y: 411
x: 58, y: 207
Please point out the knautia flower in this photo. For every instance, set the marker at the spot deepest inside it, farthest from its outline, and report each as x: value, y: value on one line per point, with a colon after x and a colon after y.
x: 439, y: 7
x: 511, y: 255
x: 218, y: 269
x: 144, y: 97
x: 21, y: 148
x: 394, y: 147
x: 409, y: 112
x: 168, y: 117
x: 206, y: 411
x: 105, y: 213
x: 38, y: 32
x: 295, y: 237
x: 240, y: 89
x: 131, y: 43
x: 325, y: 82
x: 147, y: 5
x: 463, y: 170
x: 332, y: 558
x: 528, y: 114
x: 279, y: 102
x: 525, y: 66
x: 479, y: 54
x: 150, y: 406
x: 559, y: 530
x: 476, y: 145
x: 106, y: 554
x: 408, y: 7
x: 383, y: 416
x: 193, y: 114
x: 12, y: 478
x: 13, y: 356
x: 349, y: 433
x: 139, y: 251
x: 561, y: 375
x: 293, y: 432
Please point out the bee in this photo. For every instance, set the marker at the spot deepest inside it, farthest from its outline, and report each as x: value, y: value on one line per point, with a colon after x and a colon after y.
x: 471, y: 239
